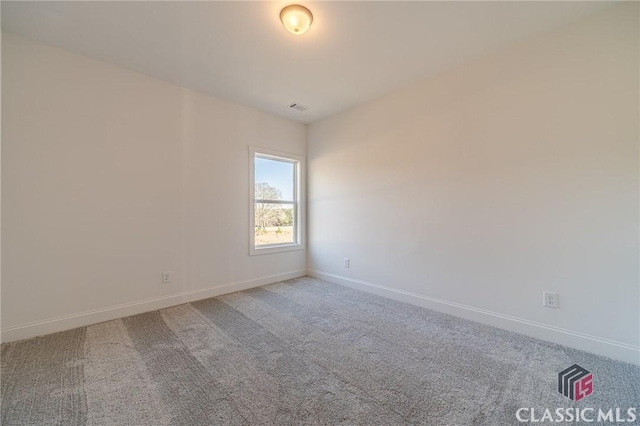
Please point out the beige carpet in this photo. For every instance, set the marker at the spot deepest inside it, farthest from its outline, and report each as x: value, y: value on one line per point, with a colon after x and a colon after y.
x: 298, y: 352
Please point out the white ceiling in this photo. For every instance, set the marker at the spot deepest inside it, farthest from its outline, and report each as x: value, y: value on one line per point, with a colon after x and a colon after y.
x: 353, y: 52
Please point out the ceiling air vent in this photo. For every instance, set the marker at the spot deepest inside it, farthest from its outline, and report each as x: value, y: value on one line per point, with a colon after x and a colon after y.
x: 299, y: 107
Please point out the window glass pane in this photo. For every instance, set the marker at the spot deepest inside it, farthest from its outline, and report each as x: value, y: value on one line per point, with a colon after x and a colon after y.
x: 274, y: 224
x: 274, y: 179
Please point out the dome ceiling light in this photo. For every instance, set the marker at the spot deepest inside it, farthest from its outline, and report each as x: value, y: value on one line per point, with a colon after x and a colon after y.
x: 296, y: 19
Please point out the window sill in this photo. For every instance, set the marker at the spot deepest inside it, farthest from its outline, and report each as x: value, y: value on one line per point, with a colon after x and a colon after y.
x: 256, y: 251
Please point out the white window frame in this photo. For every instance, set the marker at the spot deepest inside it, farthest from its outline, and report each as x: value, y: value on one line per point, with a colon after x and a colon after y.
x: 299, y: 201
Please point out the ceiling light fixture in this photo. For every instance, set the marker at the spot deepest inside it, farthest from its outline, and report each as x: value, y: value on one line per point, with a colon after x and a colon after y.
x: 296, y: 19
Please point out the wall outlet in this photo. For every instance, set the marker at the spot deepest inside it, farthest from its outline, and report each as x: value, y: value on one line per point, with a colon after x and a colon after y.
x: 550, y: 300
x: 166, y: 277
x: 347, y: 262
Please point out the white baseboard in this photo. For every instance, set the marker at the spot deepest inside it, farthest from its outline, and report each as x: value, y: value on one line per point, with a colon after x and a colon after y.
x: 597, y: 345
x: 67, y: 322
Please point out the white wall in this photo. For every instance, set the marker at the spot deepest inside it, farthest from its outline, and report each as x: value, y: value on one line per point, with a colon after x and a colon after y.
x: 474, y: 191
x: 110, y: 177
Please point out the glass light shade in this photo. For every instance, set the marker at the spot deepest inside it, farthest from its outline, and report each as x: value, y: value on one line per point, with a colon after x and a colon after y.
x: 296, y: 19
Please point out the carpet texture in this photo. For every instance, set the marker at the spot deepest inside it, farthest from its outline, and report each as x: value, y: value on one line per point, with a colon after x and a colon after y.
x: 298, y: 352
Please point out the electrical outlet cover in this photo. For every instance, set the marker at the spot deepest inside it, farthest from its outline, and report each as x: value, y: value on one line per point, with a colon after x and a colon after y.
x: 550, y: 300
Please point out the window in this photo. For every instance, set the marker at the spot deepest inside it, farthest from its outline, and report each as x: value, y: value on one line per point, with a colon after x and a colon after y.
x: 276, y: 207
